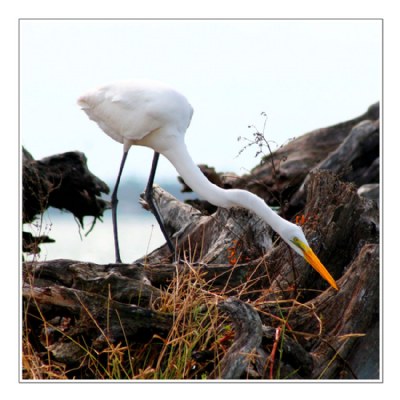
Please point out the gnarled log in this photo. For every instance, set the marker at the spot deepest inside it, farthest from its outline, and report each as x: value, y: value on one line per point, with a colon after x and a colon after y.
x: 62, y: 181
x: 248, y: 334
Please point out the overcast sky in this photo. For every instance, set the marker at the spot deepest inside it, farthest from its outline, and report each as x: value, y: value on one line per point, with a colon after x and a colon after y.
x: 304, y: 74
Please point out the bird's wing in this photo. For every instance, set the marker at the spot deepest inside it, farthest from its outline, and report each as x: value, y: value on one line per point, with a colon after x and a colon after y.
x: 134, y: 110
x: 134, y: 114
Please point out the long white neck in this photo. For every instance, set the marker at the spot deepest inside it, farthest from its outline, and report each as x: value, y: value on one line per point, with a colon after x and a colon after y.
x: 195, y: 179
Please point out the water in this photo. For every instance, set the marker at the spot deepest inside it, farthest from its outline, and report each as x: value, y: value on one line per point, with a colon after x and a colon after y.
x: 139, y: 234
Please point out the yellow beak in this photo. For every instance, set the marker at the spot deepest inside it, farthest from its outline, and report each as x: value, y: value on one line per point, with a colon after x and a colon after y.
x: 314, y: 261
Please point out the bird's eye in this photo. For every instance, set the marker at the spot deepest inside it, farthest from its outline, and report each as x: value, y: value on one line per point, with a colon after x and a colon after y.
x: 296, y: 241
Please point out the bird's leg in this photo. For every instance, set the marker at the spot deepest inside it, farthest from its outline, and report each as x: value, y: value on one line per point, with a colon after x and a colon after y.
x: 114, y: 203
x: 150, y: 201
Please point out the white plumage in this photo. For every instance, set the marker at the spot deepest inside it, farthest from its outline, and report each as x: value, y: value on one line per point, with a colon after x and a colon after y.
x: 143, y: 113
x: 151, y: 114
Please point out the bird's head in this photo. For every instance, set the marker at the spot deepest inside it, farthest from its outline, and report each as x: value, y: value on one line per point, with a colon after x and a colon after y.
x: 293, y: 235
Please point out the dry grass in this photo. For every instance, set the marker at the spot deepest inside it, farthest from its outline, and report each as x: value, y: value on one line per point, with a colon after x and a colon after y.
x: 195, y: 345
x: 196, y: 334
x: 193, y: 349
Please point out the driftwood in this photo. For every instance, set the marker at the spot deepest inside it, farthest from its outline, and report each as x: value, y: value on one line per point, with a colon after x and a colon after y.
x: 286, y: 321
x: 248, y: 335
x: 62, y: 181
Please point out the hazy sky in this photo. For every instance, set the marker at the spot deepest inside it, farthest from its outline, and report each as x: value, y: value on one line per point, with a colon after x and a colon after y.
x: 304, y: 74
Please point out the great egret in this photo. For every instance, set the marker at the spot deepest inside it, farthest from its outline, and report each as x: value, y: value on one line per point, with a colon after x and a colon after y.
x: 148, y: 113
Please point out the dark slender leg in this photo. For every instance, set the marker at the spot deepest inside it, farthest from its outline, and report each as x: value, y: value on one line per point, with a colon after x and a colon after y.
x: 114, y: 203
x: 150, y: 201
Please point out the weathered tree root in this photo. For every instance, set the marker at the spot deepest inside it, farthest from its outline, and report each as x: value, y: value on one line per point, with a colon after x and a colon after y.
x: 245, y: 349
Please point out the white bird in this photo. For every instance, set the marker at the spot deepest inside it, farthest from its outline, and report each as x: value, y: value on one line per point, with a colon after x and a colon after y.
x: 151, y: 114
